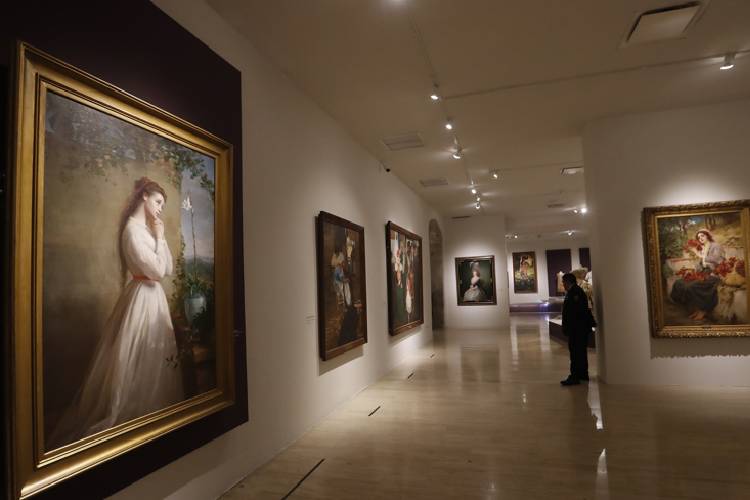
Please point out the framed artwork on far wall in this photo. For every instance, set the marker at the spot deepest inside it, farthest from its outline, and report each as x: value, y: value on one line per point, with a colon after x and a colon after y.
x: 524, y: 272
x: 696, y: 258
x: 404, y: 264
x: 122, y: 291
x: 342, y: 305
x: 475, y: 281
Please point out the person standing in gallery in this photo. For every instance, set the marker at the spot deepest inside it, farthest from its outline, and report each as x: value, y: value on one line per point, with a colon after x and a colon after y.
x: 577, y: 324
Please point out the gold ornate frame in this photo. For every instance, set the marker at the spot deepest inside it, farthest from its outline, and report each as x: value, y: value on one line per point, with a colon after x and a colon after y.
x: 654, y: 267
x: 34, y: 469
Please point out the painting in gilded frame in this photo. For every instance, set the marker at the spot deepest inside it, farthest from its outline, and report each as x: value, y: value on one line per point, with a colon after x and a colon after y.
x: 475, y: 281
x: 342, y: 302
x: 404, y: 264
x: 697, y: 267
x: 524, y: 272
x: 123, y: 273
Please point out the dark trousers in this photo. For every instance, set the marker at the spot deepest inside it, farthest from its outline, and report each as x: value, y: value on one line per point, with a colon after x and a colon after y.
x: 579, y: 363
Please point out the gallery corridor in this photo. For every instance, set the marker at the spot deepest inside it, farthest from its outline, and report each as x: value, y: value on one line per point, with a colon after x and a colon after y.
x: 482, y: 415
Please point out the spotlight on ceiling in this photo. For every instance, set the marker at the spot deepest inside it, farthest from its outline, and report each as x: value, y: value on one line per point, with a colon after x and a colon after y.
x: 477, y: 206
x: 495, y: 174
x: 515, y: 236
x: 575, y: 210
x: 434, y: 97
x: 728, y: 62
x: 479, y: 198
x: 449, y: 125
x: 458, y: 154
x: 473, y: 190
x: 570, y: 232
x: 584, y: 210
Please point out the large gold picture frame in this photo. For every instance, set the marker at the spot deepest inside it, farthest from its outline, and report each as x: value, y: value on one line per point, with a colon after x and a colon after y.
x: 34, y: 467
x: 696, y: 257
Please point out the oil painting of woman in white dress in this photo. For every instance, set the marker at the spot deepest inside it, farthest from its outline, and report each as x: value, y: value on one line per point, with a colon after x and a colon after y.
x: 128, y: 303
x: 132, y: 373
x: 475, y: 280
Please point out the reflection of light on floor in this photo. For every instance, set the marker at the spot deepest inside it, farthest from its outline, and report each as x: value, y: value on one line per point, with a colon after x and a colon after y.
x: 524, y: 398
x: 595, y: 405
x: 514, y: 344
x: 602, y: 478
x: 544, y: 338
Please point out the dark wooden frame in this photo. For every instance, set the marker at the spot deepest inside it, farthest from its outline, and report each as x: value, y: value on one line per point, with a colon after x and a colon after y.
x: 536, y: 272
x: 390, y: 226
x: 322, y: 269
x: 459, y: 261
x: 654, y: 278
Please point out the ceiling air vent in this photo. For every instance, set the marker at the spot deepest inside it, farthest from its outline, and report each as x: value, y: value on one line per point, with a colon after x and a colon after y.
x: 457, y: 217
x: 403, y: 141
x: 431, y: 183
x: 663, y: 24
x: 556, y: 205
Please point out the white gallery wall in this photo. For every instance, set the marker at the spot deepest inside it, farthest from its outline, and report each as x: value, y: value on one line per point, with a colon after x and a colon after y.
x: 540, y: 247
x: 691, y: 155
x: 297, y: 162
x: 475, y: 236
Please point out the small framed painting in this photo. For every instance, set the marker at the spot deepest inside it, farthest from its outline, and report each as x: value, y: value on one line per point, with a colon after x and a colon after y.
x: 524, y: 272
x: 475, y: 281
x: 342, y: 305
x: 697, y: 269
x: 404, y: 264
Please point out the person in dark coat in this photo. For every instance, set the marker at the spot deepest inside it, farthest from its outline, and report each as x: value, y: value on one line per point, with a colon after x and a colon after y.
x: 577, y: 324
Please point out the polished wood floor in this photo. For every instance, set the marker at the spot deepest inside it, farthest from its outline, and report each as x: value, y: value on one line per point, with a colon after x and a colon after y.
x: 481, y: 415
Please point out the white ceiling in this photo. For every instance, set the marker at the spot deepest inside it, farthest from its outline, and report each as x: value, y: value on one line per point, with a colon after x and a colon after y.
x: 520, y: 80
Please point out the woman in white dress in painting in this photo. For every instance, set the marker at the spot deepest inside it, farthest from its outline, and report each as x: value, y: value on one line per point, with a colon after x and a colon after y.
x: 135, y: 369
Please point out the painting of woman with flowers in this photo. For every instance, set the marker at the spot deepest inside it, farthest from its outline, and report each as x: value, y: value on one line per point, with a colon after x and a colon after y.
x: 133, y: 254
x: 697, y: 265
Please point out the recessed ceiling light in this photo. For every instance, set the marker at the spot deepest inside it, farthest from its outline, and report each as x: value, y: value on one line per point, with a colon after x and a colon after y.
x: 728, y: 62
x: 458, y: 154
x: 515, y: 236
x: 473, y: 190
x: 477, y: 206
x: 575, y: 210
x: 448, y: 125
x: 570, y: 233
x: 434, y: 97
x: 495, y: 174
x: 584, y: 210
x: 479, y: 198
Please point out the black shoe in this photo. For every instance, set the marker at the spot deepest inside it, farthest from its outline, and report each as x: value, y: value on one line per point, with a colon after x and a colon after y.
x: 570, y: 381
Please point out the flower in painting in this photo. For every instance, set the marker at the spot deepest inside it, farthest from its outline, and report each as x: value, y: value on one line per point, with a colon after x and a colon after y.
x: 187, y: 205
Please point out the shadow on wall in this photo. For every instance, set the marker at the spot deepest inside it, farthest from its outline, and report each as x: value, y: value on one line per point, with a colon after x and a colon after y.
x: 436, y: 275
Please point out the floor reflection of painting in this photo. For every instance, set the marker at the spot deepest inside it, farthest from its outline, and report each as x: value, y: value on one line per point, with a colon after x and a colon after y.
x: 341, y: 285
x: 700, y: 262
x: 404, y: 263
x: 128, y: 245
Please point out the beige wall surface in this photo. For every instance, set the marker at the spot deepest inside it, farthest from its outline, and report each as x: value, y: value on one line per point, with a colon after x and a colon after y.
x: 691, y: 155
x: 297, y: 162
x: 473, y: 237
x: 540, y: 248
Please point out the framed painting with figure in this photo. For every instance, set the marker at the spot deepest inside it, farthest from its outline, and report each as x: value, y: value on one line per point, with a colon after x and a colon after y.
x: 475, y: 281
x: 404, y: 264
x: 524, y: 272
x: 122, y: 290
x: 697, y: 269
x: 342, y: 304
